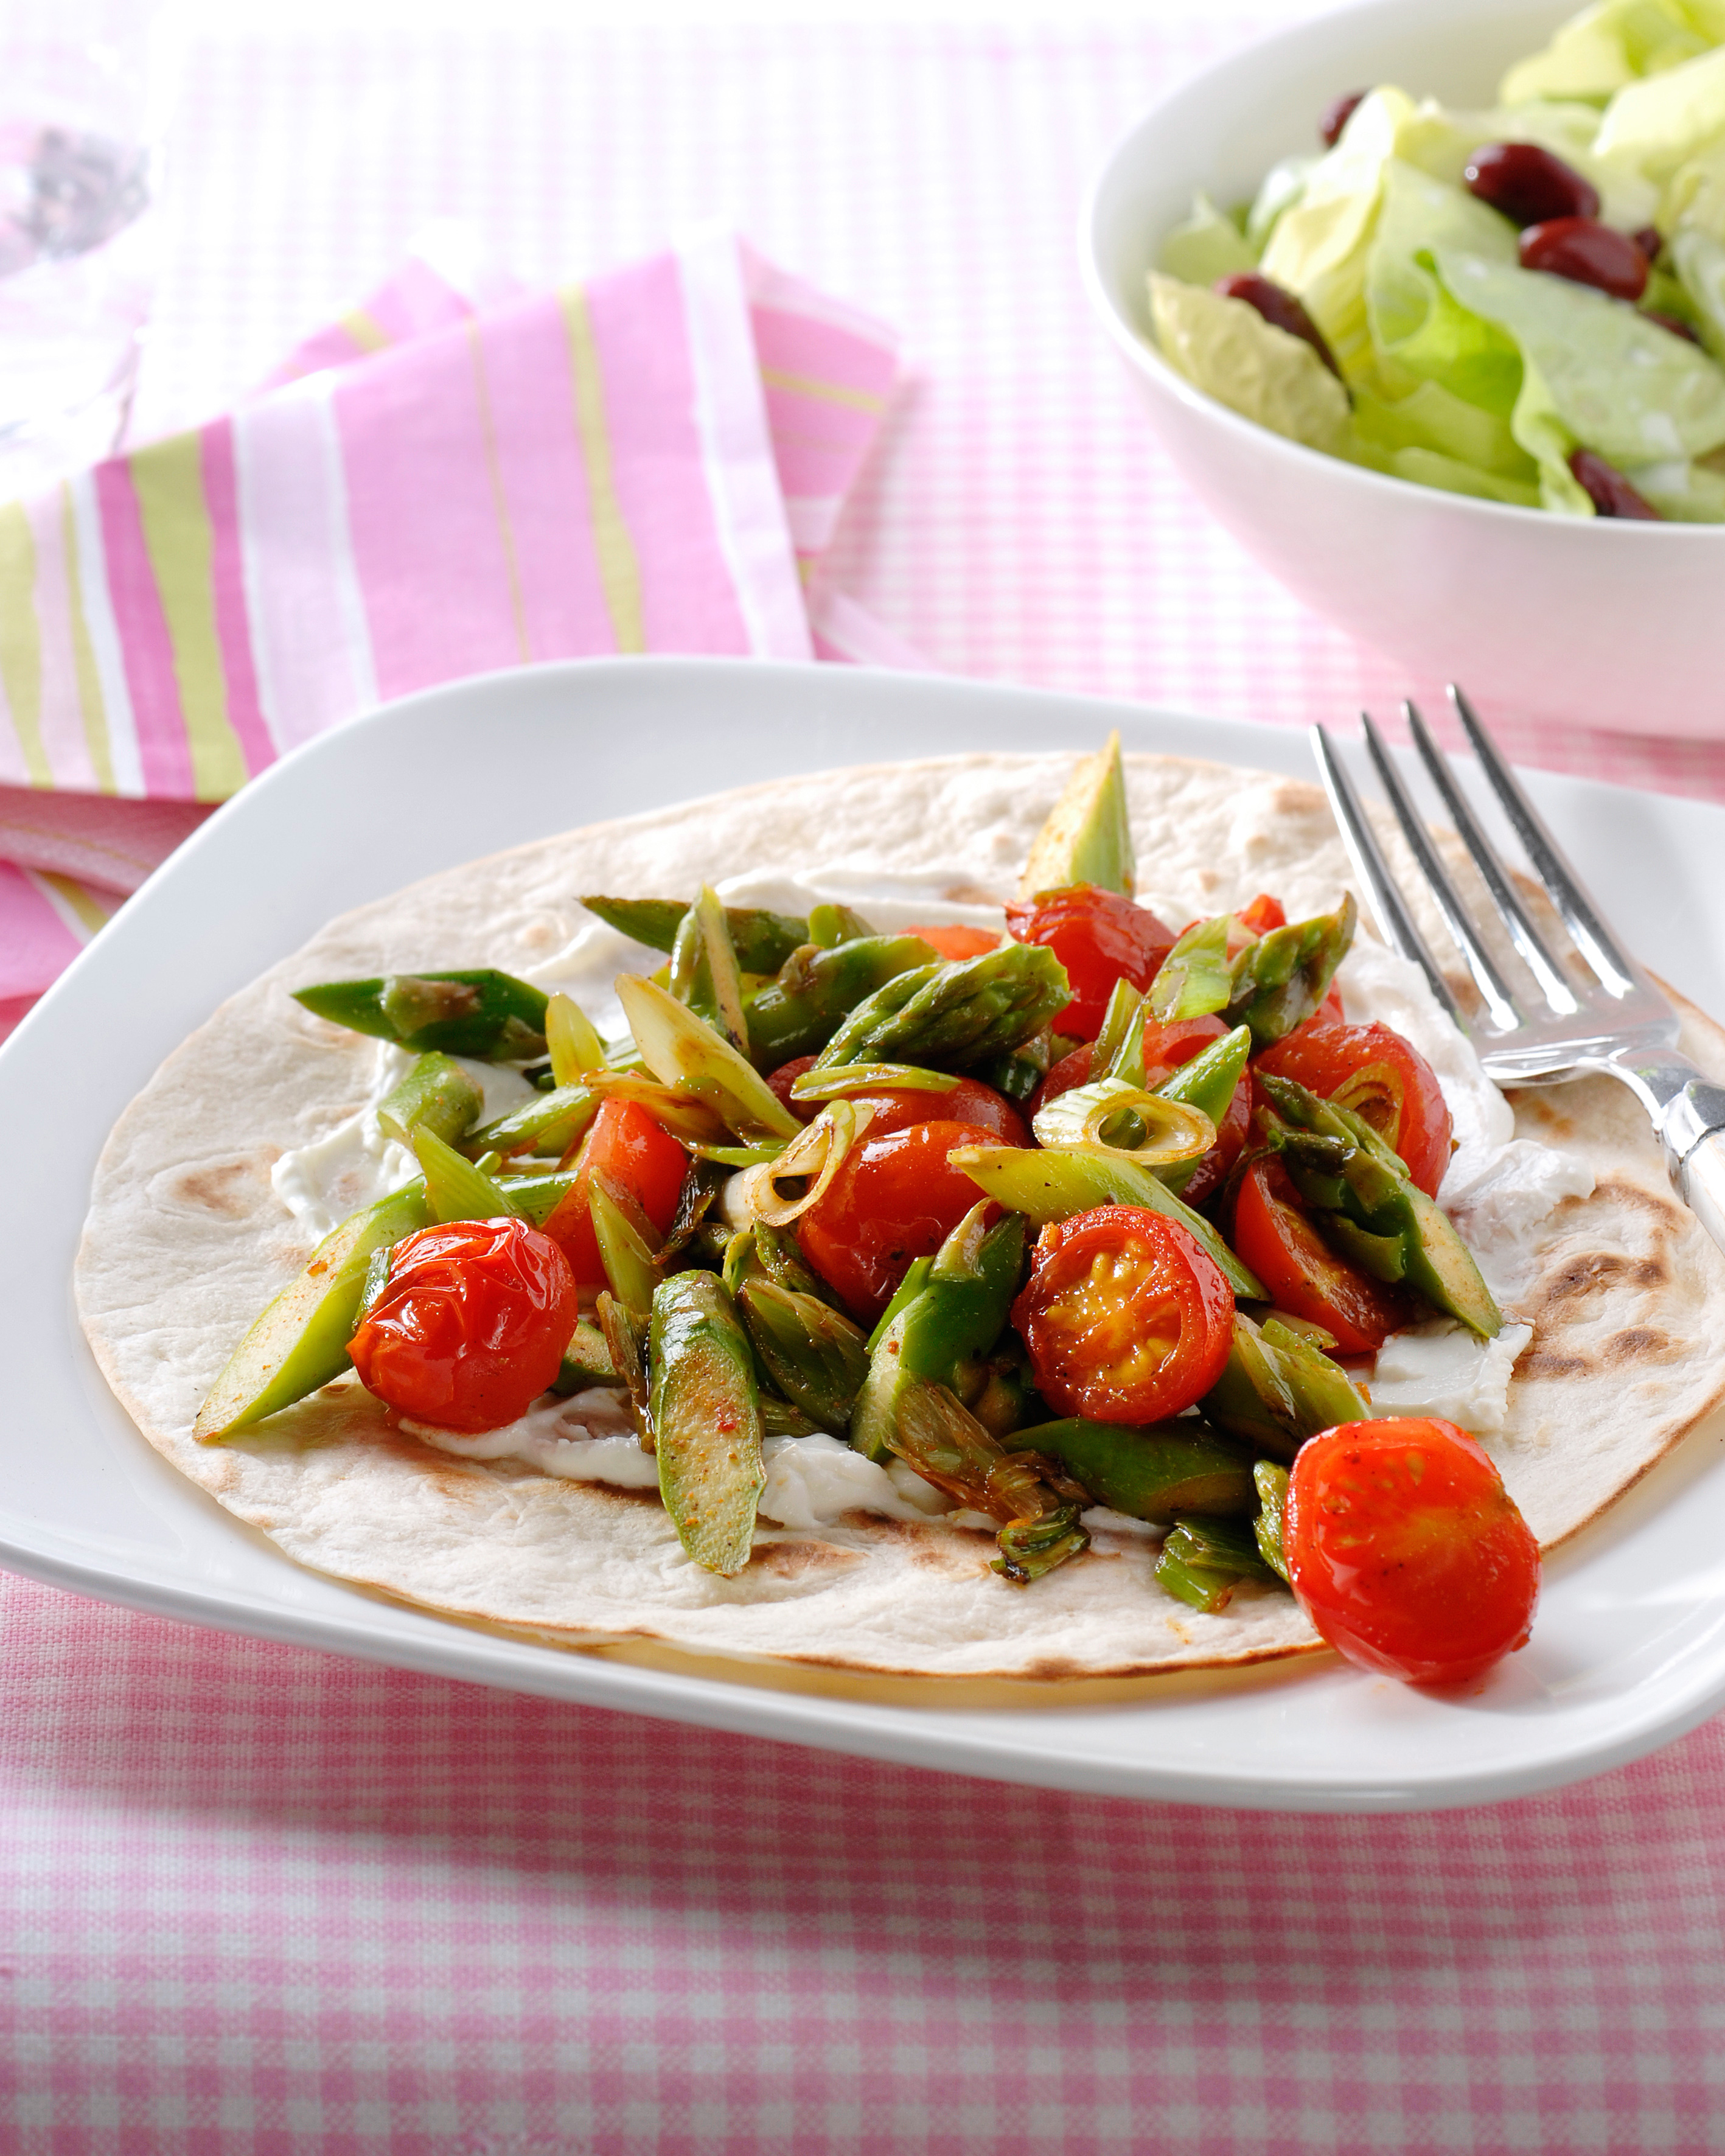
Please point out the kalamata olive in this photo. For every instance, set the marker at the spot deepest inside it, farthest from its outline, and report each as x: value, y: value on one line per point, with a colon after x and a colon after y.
x: 1528, y: 184
x: 1279, y: 309
x: 1336, y: 117
x: 1586, y: 252
x: 1649, y: 241
x: 1672, y: 323
x: 1609, y: 492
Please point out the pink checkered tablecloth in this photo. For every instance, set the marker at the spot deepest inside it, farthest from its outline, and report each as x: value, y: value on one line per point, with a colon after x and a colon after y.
x: 258, y: 1900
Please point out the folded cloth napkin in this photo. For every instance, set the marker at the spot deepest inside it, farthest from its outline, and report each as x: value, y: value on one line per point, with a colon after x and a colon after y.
x: 448, y: 480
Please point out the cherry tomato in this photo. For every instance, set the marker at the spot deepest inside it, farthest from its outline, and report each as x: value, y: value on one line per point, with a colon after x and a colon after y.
x: 1126, y: 1318
x: 1336, y: 117
x: 956, y: 940
x: 1586, y: 252
x: 471, y: 1326
x: 1275, y: 1235
x: 626, y: 1147
x: 1213, y: 1171
x: 782, y: 1081
x: 1382, y: 1078
x: 1263, y: 914
x: 1100, y: 938
x: 897, y: 1107
x: 1527, y: 184
x: 1166, y: 1047
x: 895, y: 1198
x: 1609, y: 492
x: 1406, y: 1551
x: 1279, y: 309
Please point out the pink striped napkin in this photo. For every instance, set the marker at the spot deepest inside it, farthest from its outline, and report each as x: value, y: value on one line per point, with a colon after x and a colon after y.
x: 447, y: 480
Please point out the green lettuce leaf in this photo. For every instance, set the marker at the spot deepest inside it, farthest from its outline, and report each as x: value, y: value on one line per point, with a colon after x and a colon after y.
x: 1427, y: 468
x: 1419, y: 331
x: 1687, y: 493
x: 1606, y: 378
x: 1319, y: 248
x: 1207, y: 246
x: 1228, y: 350
x: 1605, y: 47
x: 1430, y: 418
x: 1283, y: 185
x: 1659, y: 124
x: 1699, y: 259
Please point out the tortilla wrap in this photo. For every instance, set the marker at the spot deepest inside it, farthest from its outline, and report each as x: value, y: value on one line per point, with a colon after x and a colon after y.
x: 187, y: 1242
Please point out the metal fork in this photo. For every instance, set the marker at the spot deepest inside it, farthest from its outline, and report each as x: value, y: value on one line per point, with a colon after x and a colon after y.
x: 1620, y: 1022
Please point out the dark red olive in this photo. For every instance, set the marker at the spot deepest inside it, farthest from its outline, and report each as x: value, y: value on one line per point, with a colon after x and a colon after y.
x: 1279, y: 309
x: 1670, y: 322
x: 1586, y: 252
x: 1336, y: 117
x: 1649, y: 241
x: 1527, y: 183
x: 1609, y: 492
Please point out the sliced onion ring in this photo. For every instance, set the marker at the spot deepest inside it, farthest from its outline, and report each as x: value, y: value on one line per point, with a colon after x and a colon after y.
x: 819, y: 1152
x: 1113, y: 1117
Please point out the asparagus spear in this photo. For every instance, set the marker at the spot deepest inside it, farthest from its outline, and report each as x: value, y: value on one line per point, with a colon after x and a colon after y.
x: 957, y: 1316
x: 817, y: 986
x: 1203, y: 1560
x: 549, y: 1123
x: 962, y: 1013
x: 1272, y: 983
x: 1278, y: 1389
x: 587, y: 1361
x: 706, y: 1420
x: 1087, y: 837
x: 814, y: 1355
x: 1271, y: 1483
x: 1369, y: 1209
x: 762, y: 940
x: 436, y: 1093
x: 704, y: 971
x: 486, y: 1014
x: 1147, y: 1473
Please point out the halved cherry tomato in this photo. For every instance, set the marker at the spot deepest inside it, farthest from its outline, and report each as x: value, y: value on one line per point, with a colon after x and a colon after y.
x: 970, y: 1101
x: 1100, y: 938
x: 1214, y: 1170
x: 629, y: 1148
x: 1407, y: 1552
x: 954, y: 940
x: 1382, y: 1078
x: 1126, y: 1318
x: 1263, y: 914
x: 1273, y: 1235
x: 895, y: 1198
x: 472, y: 1325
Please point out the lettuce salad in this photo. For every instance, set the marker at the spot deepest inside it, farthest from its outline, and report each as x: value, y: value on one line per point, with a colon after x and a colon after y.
x: 1444, y: 359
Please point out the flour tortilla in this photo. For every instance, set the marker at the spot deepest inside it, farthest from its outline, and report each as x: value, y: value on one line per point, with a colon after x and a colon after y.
x: 186, y: 1241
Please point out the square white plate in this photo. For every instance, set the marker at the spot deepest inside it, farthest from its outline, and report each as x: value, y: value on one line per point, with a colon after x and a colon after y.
x: 1629, y: 1650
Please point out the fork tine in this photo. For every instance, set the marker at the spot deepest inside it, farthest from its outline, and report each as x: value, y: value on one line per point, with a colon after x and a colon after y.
x: 1525, y: 937
x: 1562, y: 886
x: 1490, y: 983
x: 1363, y: 850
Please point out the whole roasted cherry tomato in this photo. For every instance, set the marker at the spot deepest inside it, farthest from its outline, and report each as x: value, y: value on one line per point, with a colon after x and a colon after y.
x: 1126, y: 1318
x: 894, y: 1199
x: 1382, y: 1078
x: 1406, y: 1551
x: 1279, y: 308
x: 1528, y: 185
x: 1273, y: 1235
x: 954, y: 940
x: 1609, y: 492
x: 897, y: 1107
x: 472, y: 1324
x: 1100, y: 938
x: 1586, y: 252
x: 626, y: 1147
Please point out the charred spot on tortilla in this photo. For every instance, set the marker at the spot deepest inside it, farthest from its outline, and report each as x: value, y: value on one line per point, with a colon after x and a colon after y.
x: 228, y: 1188
x: 1640, y: 1343
x: 798, y: 1560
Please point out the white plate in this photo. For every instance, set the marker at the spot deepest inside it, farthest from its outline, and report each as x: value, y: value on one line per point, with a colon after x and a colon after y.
x: 1629, y: 1648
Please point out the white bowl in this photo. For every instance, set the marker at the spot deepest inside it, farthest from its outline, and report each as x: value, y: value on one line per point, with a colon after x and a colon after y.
x: 1610, y: 624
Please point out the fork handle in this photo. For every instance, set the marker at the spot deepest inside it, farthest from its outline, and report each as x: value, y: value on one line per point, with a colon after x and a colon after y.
x: 1688, y: 1111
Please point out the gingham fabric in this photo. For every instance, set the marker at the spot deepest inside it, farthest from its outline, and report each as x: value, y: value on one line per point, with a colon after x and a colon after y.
x: 262, y: 1901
